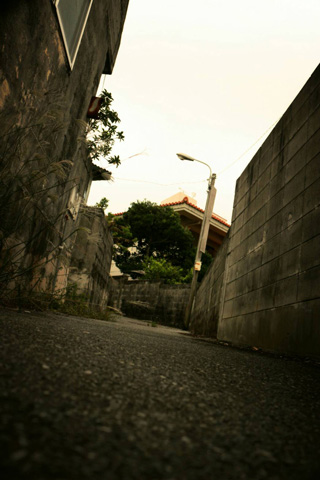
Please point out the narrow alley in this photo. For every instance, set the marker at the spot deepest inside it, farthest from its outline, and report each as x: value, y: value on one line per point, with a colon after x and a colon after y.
x: 128, y: 400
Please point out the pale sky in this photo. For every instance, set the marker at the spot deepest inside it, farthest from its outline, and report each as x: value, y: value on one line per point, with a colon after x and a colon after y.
x: 208, y: 79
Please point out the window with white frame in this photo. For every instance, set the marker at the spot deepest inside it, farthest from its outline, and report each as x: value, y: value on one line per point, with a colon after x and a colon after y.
x: 72, y: 16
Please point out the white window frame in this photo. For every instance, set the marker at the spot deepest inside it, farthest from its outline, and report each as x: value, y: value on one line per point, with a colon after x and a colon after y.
x: 71, y: 58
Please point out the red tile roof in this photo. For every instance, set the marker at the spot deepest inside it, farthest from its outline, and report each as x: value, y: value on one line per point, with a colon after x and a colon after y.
x: 185, y: 200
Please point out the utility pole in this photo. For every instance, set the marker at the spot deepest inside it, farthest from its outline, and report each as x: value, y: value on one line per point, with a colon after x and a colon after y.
x: 203, y: 237
x: 201, y: 248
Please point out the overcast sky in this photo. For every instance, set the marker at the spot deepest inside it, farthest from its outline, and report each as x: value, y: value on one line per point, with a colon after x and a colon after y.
x: 208, y: 79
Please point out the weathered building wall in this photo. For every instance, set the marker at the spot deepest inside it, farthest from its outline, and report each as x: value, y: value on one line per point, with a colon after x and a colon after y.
x: 36, y: 80
x: 91, y: 257
x: 208, y: 301
x: 158, y: 302
x: 271, y: 295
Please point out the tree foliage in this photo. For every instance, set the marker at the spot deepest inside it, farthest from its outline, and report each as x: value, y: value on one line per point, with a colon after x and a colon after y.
x: 103, y: 203
x: 103, y: 132
x: 147, y: 231
x: 162, y: 269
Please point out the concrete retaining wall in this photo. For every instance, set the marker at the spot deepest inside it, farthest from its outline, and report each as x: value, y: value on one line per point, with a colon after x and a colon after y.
x: 271, y: 295
x: 91, y: 257
x: 158, y: 302
x: 35, y: 81
x: 207, y: 307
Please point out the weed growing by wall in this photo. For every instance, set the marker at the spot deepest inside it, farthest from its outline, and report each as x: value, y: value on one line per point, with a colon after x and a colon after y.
x: 32, y: 184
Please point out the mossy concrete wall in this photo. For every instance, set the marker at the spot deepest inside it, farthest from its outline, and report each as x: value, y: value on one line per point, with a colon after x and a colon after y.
x: 35, y: 79
x: 271, y: 291
x: 157, y: 302
x: 91, y: 257
x: 208, y: 302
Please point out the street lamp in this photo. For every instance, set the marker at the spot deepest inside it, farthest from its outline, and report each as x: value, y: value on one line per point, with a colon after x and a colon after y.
x: 202, y: 242
x: 183, y: 156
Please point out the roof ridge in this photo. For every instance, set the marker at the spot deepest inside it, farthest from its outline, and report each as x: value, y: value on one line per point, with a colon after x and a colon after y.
x: 181, y: 202
x: 185, y: 200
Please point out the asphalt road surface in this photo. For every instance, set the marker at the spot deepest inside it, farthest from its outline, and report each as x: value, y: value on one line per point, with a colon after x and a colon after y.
x: 123, y: 400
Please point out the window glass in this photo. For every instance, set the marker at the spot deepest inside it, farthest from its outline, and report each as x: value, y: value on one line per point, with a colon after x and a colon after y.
x: 73, y: 16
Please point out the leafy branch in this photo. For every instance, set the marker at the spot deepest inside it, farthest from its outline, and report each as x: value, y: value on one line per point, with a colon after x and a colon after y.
x: 103, y: 132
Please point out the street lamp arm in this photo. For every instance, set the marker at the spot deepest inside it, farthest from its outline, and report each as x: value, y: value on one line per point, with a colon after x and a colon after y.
x: 183, y: 156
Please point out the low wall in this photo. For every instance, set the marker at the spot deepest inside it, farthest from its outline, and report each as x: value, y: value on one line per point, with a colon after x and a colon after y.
x: 157, y: 302
x: 271, y: 292
x: 91, y: 257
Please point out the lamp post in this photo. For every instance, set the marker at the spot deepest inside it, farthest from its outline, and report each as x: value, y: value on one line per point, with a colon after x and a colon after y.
x: 203, y: 237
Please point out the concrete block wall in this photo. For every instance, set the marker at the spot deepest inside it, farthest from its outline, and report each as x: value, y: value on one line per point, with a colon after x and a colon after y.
x: 172, y: 303
x: 162, y: 303
x: 207, y: 307
x: 272, y: 290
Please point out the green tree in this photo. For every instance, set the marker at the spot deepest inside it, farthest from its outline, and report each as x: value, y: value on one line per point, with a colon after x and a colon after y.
x: 103, y: 203
x: 103, y: 132
x: 162, y: 269
x: 155, y: 232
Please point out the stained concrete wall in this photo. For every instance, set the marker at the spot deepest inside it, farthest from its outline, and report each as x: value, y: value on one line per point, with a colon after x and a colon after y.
x: 271, y: 291
x: 158, y: 302
x: 208, y: 301
x: 91, y: 257
x: 34, y: 78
